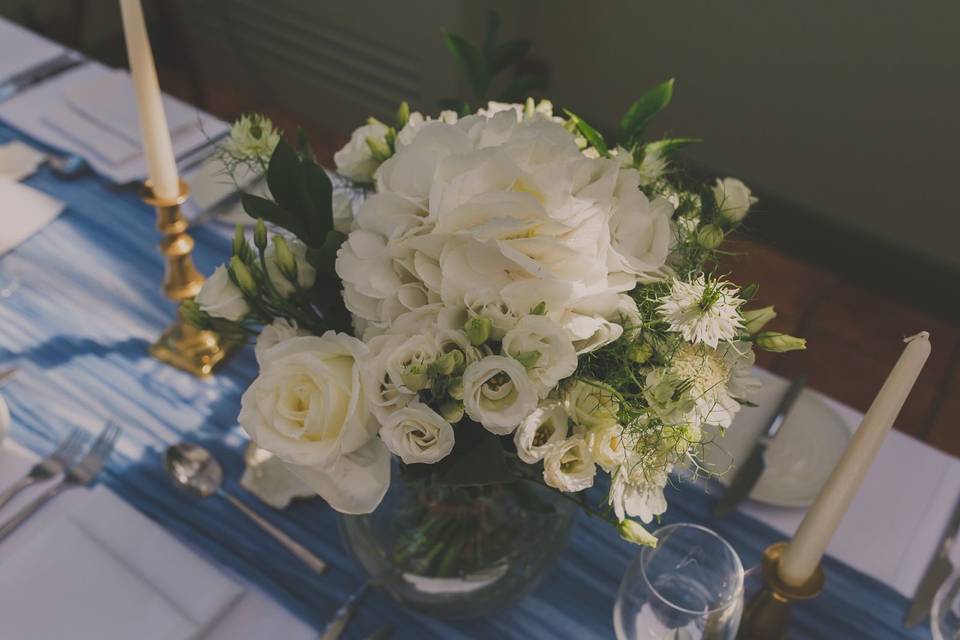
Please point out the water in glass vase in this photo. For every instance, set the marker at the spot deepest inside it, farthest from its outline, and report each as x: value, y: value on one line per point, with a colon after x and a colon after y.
x: 459, y: 551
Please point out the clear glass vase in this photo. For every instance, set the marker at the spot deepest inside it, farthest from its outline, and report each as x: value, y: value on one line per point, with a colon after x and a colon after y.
x: 459, y: 551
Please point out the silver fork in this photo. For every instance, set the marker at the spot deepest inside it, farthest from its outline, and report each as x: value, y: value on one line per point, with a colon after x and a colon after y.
x: 82, y: 473
x: 52, y: 465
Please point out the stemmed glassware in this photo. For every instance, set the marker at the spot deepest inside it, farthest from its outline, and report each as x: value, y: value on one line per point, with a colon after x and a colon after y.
x: 945, y: 614
x: 689, y: 587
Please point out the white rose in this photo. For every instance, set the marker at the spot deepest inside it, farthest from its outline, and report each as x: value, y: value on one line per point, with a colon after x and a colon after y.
x: 552, y: 355
x: 273, y: 334
x: 498, y: 394
x: 220, y: 298
x: 355, y: 160
x: 539, y: 431
x: 639, y: 230
x: 568, y: 466
x: 417, y: 434
x: 592, y: 404
x: 306, y: 273
x: 734, y: 199
x: 638, y: 494
x: 308, y: 408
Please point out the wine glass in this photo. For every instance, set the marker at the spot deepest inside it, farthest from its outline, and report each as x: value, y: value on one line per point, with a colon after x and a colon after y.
x: 688, y: 587
x: 945, y: 614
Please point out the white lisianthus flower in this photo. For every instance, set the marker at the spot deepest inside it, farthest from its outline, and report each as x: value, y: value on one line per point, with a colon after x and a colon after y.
x: 273, y: 334
x: 307, y: 407
x: 638, y: 493
x: 544, y: 348
x: 408, y: 361
x: 356, y: 160
x: 540, y: 431
x: 486, y: 304
x: 568, y: 466
x: 221, y: 298
x: 591, y: 404
x: 385, y: 393
x: 703, y: 311
x: 639, y: 230
x: 252, y: 138
x: 734, y: 199
x: 306, y: 273
x: 498, y: 394
x: 417, y: 434
x: 606, y: 446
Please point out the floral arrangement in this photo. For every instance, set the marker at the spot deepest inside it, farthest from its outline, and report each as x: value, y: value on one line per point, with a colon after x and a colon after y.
x: 511, y: 299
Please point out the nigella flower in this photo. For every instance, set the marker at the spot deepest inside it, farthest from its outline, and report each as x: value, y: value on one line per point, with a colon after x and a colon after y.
x: 704, y: 310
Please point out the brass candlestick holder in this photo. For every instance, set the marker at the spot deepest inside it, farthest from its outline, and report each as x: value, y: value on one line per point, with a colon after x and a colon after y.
x: 182, y: 345
x: 767, y: 614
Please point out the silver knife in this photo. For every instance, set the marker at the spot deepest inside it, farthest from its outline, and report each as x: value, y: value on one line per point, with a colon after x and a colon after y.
x: 335, y: 627
x: 752, y: 467
x: 36, y: 75
x: 937, y: 571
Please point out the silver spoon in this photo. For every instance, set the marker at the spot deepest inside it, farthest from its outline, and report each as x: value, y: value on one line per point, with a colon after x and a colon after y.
x: 195, y: 470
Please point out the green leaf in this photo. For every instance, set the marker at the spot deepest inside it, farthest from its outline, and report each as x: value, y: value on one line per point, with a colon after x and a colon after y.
x: 471, y: 61
x: 642, y: 112
x: 324, y: 256
x: 317, y: 200
x: 283, y: 177
x: 668, y: 145
x: 477, y: 459
x: 520, y: 87
x: 257, y: 207
x: 503, y: 56
x: 592, y: 135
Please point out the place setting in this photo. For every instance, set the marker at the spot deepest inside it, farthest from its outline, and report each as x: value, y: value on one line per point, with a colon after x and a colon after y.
x: 482, y: 371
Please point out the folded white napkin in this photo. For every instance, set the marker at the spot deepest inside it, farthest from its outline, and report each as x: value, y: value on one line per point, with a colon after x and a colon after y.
x: 23, y: 212
x: 18, y: 160
x: 111, y: 102
x: 91, y: 566
x: 43, y: 112
x: 21, y: 49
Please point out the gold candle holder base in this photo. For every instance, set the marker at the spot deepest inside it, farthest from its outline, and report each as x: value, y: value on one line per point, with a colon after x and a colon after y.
x: 182, y: 345
x: 767, y: 614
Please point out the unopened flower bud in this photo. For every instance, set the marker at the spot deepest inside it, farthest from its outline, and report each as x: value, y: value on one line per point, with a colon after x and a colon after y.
x: 640, y: 353
x: 755, y: 319
x: 414, y: 378
x: 240, y: 247
x: 449, y: 362
x: 260, y: 235
x: 379, y: 148
x: 455, y: 388
x: 779, y: 342
x: 403, y: 114
x: 242, y: 276
x: 478, y: 330
x: 452, y: 411
x: 710, y: 236
x: 190, y: 312
x: 529, y: 108
x: 540, y: 309
x: 527, y: 358
x: 634, y: 532
x: 285, y: 259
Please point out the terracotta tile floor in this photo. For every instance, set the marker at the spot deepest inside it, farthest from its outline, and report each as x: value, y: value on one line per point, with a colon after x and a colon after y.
x: 854, y: 336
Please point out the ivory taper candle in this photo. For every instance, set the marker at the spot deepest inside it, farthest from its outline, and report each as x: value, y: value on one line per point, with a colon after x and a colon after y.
x: 157, y: 147
x: 803, y: 554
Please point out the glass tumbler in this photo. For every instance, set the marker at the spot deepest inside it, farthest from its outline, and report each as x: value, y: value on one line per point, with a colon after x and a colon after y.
x: 689, y: 587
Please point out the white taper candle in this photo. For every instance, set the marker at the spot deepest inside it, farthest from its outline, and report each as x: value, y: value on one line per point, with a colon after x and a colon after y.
x: 157, y: 147
x: 804, y: 552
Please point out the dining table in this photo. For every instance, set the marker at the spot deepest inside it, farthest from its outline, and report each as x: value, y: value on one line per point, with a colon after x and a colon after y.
x: 78, y: 329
